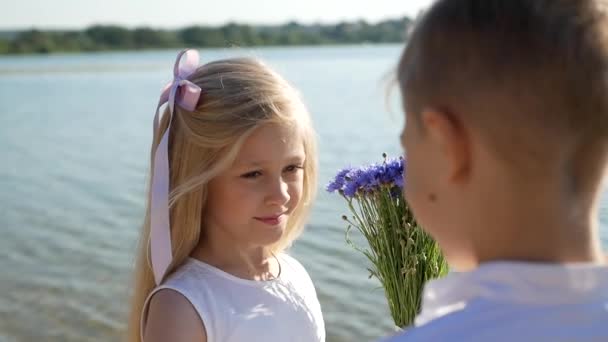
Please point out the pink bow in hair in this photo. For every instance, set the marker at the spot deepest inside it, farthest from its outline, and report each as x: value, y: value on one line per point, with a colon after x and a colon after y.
x: 186, y: 95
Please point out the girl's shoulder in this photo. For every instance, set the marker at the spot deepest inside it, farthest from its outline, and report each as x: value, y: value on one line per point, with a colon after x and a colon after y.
x: 292, y: 265
x: 294, y: 272
x: 172, y: 317
x: 181, y: 294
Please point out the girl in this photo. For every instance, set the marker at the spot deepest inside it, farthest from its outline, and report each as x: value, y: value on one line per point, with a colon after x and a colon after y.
x: 233, y: 177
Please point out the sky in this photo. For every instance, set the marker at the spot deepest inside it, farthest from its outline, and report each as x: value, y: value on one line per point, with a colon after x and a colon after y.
x: 76, y: 14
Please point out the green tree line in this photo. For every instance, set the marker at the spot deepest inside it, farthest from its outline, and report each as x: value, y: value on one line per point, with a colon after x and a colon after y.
x: 111, y: 37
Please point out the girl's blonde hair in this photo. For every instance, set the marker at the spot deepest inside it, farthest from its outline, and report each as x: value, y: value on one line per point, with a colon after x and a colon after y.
x: 238, y: 96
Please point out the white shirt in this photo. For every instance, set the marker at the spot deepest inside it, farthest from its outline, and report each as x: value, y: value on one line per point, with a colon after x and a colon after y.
x: 234, y: 309
x: 505, y: 301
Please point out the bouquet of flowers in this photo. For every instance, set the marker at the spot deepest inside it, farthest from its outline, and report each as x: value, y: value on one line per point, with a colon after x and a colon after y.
x: 403, y: 257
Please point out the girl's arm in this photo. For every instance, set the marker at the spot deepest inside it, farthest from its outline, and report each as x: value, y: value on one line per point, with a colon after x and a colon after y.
x: 171, y: 317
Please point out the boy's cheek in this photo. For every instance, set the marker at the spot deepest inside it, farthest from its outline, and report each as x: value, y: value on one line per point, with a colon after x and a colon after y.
x: 411, y: 189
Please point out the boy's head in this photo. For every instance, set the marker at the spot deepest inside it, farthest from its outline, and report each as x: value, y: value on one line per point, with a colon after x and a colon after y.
x: 506, y: 102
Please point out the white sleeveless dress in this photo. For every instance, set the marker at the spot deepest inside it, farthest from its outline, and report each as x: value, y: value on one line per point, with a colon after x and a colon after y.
x: 234, y: 309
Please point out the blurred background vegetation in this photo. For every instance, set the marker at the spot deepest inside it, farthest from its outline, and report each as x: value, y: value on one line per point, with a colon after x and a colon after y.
x: 112, y: 37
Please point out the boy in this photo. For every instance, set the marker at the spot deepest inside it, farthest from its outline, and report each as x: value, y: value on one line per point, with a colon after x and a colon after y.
x: 506, y: 106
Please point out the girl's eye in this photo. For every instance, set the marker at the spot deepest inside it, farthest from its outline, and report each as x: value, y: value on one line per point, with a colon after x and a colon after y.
x: 251, y: 175
x: 293, y: 168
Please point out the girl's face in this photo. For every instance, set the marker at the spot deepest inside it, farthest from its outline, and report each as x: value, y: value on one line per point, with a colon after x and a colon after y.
x: 250, y: 203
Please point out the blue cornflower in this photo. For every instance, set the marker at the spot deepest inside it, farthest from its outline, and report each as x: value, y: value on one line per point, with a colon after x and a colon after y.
x: 338, y: 182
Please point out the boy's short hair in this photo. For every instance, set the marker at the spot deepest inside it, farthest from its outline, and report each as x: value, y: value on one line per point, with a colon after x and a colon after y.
x: 530, y: 75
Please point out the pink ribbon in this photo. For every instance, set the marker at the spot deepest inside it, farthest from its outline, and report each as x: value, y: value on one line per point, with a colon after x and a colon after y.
x: 185, y: 94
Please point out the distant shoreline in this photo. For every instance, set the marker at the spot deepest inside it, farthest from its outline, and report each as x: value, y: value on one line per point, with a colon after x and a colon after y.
x: 100, y: 38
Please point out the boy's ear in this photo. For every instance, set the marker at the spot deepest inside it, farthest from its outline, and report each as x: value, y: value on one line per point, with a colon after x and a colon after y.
x: 446, y: 132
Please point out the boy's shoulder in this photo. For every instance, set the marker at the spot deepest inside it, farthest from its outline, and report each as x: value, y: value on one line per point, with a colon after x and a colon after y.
x: 585, y: 323
x: 515, y: 301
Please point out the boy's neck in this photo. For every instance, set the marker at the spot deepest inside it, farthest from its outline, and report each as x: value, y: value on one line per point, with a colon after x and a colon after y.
x: 538, y: 226
x: 557, y: 245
